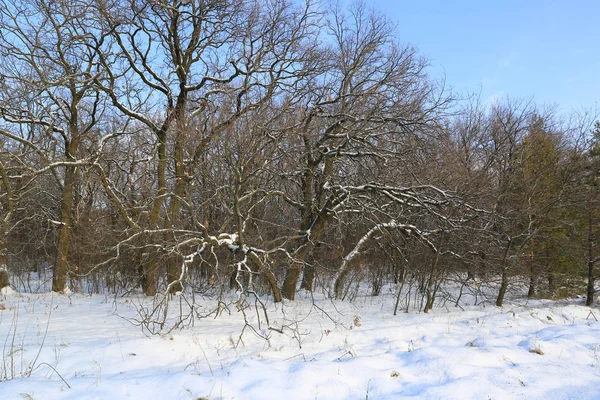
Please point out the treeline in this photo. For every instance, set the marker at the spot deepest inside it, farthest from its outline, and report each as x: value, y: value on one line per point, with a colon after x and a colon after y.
x: 268, y: 146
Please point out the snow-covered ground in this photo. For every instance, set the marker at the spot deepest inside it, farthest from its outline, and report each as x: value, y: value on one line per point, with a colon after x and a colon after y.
x: 89, y: 347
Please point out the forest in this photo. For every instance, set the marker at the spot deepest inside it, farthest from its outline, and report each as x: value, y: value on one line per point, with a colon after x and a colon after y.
x: 186, y: 147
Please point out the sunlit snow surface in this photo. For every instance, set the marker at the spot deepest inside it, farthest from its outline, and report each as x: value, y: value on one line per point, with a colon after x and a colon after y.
x: 525, y: 350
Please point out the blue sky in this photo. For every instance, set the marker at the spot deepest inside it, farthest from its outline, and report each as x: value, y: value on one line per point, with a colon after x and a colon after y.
x: 546, y: 49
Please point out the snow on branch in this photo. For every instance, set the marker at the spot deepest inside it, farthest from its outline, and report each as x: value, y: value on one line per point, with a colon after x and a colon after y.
x: 407, y: 229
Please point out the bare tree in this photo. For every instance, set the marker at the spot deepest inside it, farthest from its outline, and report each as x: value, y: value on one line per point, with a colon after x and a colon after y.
x: 46, y: 53
x: 372, y: 106
x: 210, y: 64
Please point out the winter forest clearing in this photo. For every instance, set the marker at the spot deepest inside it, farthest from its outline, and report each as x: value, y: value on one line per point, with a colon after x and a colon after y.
x: 239, y: 199
x: 309, y: 349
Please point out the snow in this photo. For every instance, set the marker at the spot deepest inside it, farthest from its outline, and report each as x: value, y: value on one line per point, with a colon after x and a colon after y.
x: 328, y: 350
x: 7, y: 291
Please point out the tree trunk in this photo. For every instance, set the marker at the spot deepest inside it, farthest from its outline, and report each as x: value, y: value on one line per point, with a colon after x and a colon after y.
x: 288, y: 289
x: 3, y: 249
x: 400, y: 287
x: 531, y: 291
x: 590, y: 279
x: 150, y: 265
x: 269, y: 275
x: 149, y: 273
x: 174, y: 262
x: 308, y: 218
x: 551, y: 283
x: 4, y: 221
x: 503, y: 287
x: 430, y: 284
x: 532, y: 277
x: 3, y: 261
x: 291, y: 279
x: 308, y: 278
x: 4, y: 281
x: 59, y: 278
x: 590, y: 284
x: 504, y: 284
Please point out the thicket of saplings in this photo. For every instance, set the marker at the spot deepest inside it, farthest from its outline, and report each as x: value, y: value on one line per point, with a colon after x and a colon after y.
x: 262, y: 148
